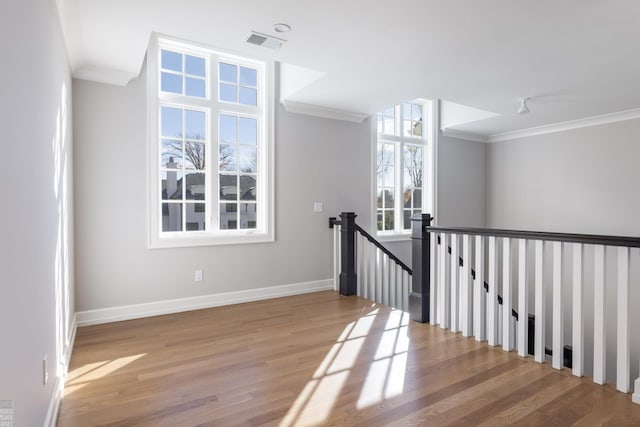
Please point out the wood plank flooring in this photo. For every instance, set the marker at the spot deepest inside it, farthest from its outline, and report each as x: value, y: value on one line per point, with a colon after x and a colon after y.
x: 314, y: 360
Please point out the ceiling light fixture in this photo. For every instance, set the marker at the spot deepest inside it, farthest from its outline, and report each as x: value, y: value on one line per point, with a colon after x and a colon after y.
x: 281, y: 28
x: 523, y: 106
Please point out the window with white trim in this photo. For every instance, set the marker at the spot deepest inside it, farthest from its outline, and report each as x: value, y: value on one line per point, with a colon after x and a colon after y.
x: 210, y: 147
x: 401, y: 154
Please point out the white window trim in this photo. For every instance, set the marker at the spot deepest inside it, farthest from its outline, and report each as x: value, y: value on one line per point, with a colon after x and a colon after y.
x: 265, y: 191
x: 429, y: 151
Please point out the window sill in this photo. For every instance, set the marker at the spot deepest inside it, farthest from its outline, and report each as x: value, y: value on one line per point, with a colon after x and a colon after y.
x: 394, y: 237
x: 209, y: 240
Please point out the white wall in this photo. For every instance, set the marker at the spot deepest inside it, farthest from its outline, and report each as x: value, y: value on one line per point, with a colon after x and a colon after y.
x: 461, y: 183
x: 316, y: 160
x: 583, y: 180
x: 36, y: 251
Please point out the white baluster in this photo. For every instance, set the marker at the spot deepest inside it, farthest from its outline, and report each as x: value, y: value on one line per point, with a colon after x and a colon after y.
x: 373, y: 253
x: 392, y: 283
x: 455, y: 299
x: 443, y: 288
x: 358, y: 264
x: 523, y: 300
x: 399, y: 289
x: 466, y: 306
x: 558, y: 318
x: 479, y: 301
x: 336, y: 257
x: 407, y: 288
x: 578, y: 312
x: 385, y: 279
x: 539, y: 302
x: 623, y: 362
x: 433, y: 277
x: 507, y: 344
x: 378, y: 293
x: 599, y: 350
x: 492, y: 295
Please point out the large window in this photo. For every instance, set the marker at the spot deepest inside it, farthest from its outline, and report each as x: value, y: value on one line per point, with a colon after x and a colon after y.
x: 401, y: 153
x: 209, y: 147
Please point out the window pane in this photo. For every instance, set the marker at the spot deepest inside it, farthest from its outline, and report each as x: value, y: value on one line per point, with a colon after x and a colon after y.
x: 406, y: 220
x: 412, y: 177
x: 227, y: 158
x: 194, y: 155
x: 248, y: 215
x: 171, y: 185
x: 247, y: 158
x: 171, y: 121
x: 248, y: 96
x: 380, y: 198
x: 228, y: 187
x: 228, y: 73
x: 388, y: 220
x: 248, y: 131
x: 412, y: 157
x: 228, y: 216
x: 195, y: 216
x: 171, y: 157
x: 379, y: 220
x: 171, y: 60
x: 228, y: 93
x: 171, y: 83
x: 248, y: 77
x: 388, y: 198
x: 389, y: 125
x: 195, y: 186
x: 172, y: 217
x: 195, y: 87
x: 247, y: 187
x: 195, y: 66
x: 195, y: 124
x: 407, y: 128
x: 228, y: 129
x: 416, y: 112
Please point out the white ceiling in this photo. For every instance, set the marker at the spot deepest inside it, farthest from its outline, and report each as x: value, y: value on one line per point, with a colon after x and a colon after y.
x: 575, y: 58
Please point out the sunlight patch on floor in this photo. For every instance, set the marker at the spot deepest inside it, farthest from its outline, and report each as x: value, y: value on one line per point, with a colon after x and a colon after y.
x: 386, y: 375
x: 313, y: 406
x: 84, y: 375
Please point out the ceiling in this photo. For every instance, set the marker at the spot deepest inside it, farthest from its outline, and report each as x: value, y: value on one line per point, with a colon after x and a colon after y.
x: 574, y: 58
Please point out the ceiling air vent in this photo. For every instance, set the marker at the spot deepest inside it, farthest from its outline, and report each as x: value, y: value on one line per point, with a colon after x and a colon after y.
x: 265, y: 40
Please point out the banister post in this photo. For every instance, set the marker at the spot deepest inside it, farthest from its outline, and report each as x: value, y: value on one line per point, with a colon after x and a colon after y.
x: 348, y: 278
x: 420, y: 265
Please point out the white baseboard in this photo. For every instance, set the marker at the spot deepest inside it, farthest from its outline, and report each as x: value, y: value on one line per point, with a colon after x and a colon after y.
x: 58, y: 388
x: 136, y: 311
x: 636, y: 394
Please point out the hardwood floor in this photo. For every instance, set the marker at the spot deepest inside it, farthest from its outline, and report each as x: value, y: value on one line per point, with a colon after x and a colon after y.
x: 316, y: 359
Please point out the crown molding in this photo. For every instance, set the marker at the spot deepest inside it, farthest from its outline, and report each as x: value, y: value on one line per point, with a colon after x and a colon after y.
x: 569, y: 125
x: 104, y: 75
x: 467, y: 136
x: 324, y: 112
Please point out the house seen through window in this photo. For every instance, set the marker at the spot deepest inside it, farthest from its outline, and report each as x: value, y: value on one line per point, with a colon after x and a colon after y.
x: 211, y: 144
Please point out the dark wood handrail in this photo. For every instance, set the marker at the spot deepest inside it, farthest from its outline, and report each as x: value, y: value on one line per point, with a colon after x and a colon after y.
x: 591, y: 239
x: 380, y: 246
x: 334, y: 221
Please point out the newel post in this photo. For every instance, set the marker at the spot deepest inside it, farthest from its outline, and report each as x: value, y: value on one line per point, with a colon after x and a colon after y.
x: 348, y: 279
x: 420, y: 265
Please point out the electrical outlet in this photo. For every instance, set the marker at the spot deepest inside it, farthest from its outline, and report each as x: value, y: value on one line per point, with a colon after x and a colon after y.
x: 198, y: 276
x: 45, y: 371
x: 318, y: 207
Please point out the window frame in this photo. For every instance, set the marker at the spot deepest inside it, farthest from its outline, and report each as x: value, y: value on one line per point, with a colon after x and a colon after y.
x: 264, y: 112
x: 427, y: 142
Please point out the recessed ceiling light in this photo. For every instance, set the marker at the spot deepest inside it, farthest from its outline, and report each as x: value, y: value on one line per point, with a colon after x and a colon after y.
x: 281, y: 28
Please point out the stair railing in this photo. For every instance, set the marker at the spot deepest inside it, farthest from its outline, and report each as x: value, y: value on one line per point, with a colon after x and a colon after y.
x: 470, y: 280
x: 365, y: 267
